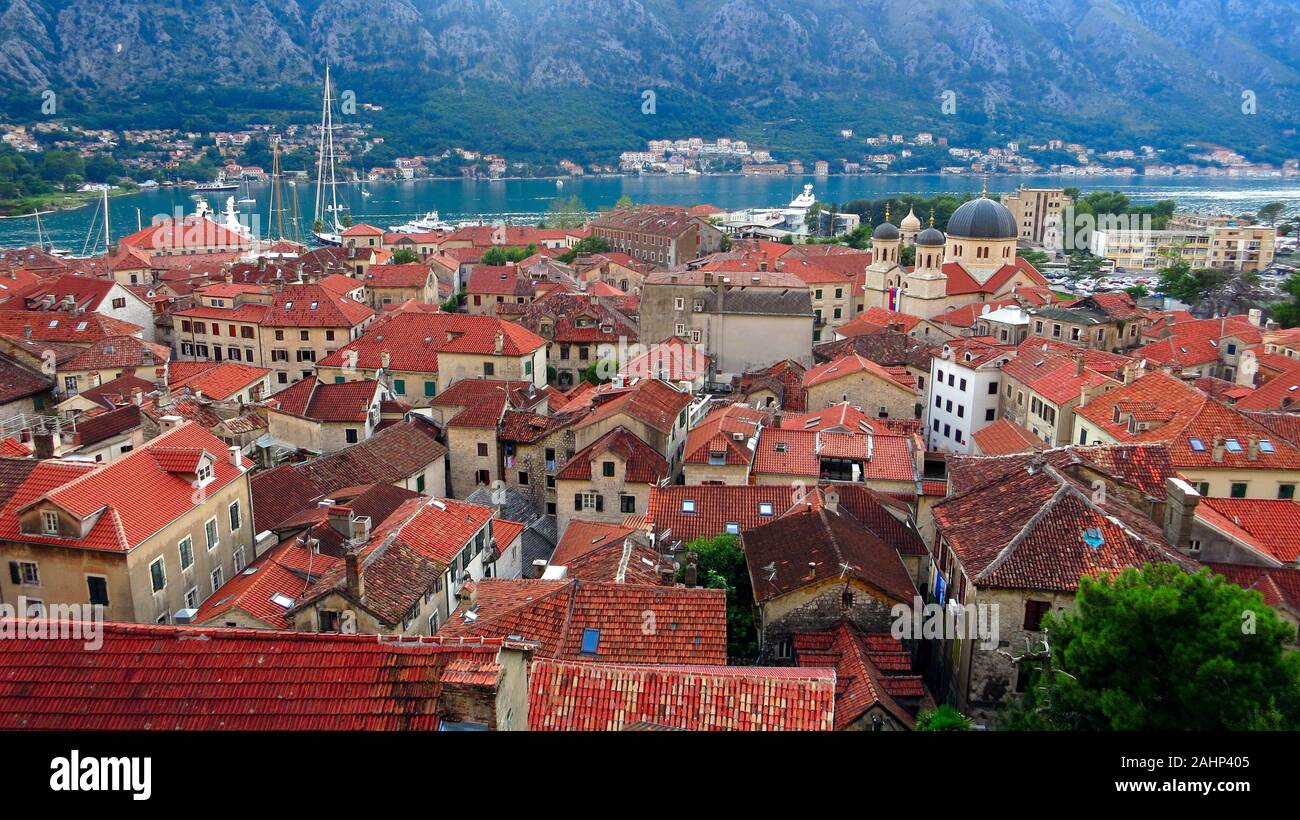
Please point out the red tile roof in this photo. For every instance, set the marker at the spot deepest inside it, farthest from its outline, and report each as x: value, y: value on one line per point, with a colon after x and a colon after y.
x: 498, y: 280
x: 961, y: 282
x: 673, y: 360
x: 862, y: 664
x: 405, y: 556
x: 1026, y: 530
x: 1199, y: 341
x: 190, y: 232
x: 883, y: 456
x: 219, y: 381
x: 17, y: 382
x: 785, y: 378
x: 689, y: 627
x: 120, y: 352
x: 816, y: 545
x: 161, y: 491
x: 566, y: 696
x: 1279, y: 586
x: 190, y: 678
x: 716, y: 434
x: 644, y: 464
x: 652, y: 402
x: 314, y: 306
x: 411, y: 275
x: 1282, y: 392
x: 875, y: 319
x: 414, y: 338
x: 852, y: 364
x: 1175, y: 412
x: 1003, y: 437
x: 1056, y: 377
x: 57, y: 326
x: 1269, y: 526
x: 314, y: 399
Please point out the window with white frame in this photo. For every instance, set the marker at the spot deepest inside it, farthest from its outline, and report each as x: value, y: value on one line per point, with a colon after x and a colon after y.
x: 210, y: 533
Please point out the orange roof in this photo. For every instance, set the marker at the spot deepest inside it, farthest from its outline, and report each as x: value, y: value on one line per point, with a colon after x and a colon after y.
x: 1003, y: 437
x: 1167, y: 409
x: 1267, y: 526
x: 650, y: 401
x: 220, y: 381
x: 159, y: 475
x: 570, y: 696
x: 850, y: 364
x: 724, y: 433
x: 691, y: 623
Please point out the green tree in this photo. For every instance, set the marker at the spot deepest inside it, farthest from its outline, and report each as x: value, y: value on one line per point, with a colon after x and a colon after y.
x: 721, y: 565
x: 586, y: 245
x: 1137, y: 291
x: 946, y: 718
x: 1287, y: 313
x: 1179, y: 280
x: 566, y: 213
x: 405, y: 256
x: 1165, y: 650
x: 592, y: 372
x: 625, y: 201
x: 1270, y: 212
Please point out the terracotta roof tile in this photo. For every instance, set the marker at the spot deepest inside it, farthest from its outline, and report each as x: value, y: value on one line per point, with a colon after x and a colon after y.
x: 190, y: 678
x: 566, y: 696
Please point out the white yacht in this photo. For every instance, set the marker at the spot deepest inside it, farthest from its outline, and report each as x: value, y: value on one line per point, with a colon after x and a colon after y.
x: 218, y: 184
x: 428, y: 223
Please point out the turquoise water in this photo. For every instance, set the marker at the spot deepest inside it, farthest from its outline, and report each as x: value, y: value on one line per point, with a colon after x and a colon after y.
x: 520, y: 200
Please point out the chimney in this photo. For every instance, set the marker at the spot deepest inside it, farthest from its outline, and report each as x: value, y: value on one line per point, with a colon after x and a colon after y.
x: 27, y: 331
x: 137, y: 396
x: 340, y: 519
x: 1078, y: 366
x: 1083, y: 395
x: 356, y: 583
x: 385, y: 359
x: 43, y: 445
x: 233, y: 453
x: 1256, y: 317
x: 1217, y: 453
x: 831, y: 500
x: 692, y: 570
x: 1252, y: 448
x: 171, y: 422
x: 1181, y: 499
x: 499, y: 343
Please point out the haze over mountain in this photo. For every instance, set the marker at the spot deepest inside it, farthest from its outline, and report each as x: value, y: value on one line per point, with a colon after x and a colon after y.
x: 525, y: 75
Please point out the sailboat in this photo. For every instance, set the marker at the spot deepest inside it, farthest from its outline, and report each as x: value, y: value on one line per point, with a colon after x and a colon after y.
x: 40, y: 239
x: 326, y: 226
x: 247, y: 198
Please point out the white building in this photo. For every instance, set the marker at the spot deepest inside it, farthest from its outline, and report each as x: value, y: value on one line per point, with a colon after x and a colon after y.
x: 963, y: 394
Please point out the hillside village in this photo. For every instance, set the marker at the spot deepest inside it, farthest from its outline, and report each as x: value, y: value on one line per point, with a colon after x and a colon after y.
x: 514, y: 468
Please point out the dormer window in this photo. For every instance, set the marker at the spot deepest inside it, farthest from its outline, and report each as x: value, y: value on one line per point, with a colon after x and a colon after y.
x: 204, y: 473
x: 1116, y: 415
x: 50, y: 522
x: 765, y: 508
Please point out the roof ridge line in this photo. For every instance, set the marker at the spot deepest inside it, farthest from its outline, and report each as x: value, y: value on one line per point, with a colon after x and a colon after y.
x: 1020, y: 536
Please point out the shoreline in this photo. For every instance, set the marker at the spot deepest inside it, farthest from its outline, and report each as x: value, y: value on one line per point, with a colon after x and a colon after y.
x: 83, y: 199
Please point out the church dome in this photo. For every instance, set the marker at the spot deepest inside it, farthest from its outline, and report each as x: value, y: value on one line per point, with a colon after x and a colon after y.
x: 885, y: 232
x: 930, y: 237
x: 910, y: 222
x: 983, y: 219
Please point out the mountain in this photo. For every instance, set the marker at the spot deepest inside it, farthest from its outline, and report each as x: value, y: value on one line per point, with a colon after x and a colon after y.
x: 532, y: 76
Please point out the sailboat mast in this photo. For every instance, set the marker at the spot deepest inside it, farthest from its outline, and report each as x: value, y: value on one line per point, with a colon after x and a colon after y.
x: 334, y: 191
x: 320, y: 158
x: 108, y: 235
